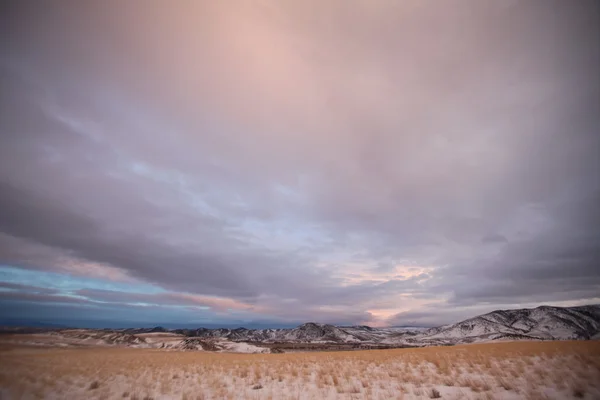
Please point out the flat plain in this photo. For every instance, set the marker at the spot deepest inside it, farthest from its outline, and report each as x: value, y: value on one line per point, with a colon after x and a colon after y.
x: 505, y: 370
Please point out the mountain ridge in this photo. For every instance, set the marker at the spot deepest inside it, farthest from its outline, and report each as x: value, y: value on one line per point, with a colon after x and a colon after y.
x: 540, y: 323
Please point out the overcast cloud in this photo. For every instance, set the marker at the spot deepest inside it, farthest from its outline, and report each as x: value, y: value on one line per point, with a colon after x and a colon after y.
x: 374, y: 162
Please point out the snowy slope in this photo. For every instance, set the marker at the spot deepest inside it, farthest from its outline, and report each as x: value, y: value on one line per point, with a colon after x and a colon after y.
x: 543, y: 322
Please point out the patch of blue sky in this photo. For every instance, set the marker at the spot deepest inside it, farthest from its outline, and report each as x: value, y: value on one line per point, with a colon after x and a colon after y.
x: 67, y: 283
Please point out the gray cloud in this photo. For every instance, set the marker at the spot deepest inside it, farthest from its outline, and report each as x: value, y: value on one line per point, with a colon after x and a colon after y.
x: 493, y: 238
x: 38, y: 297
x: 26, y: 288
x: 275, y: 155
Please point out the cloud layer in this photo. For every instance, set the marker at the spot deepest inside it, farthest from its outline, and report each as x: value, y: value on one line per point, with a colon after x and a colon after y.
x: 349, y: 162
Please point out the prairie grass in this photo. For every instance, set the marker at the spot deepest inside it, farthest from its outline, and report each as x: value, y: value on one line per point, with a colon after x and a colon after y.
x: 530, y: 370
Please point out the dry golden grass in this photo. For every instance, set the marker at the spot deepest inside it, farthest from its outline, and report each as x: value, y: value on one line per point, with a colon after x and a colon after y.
x: 531, y: 370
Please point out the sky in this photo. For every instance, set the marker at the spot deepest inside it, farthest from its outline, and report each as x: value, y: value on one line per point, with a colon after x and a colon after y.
x: 269, y: 163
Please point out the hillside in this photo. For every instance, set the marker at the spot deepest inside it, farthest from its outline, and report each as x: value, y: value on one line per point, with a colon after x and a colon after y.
x: 541, y: 323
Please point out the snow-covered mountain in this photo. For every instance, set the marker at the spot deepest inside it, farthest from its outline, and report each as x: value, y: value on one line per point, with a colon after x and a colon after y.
x: 305, y: 333
x: 541, y: 323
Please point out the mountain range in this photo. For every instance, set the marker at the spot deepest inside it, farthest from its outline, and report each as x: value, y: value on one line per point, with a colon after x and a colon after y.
x: 541, y: 323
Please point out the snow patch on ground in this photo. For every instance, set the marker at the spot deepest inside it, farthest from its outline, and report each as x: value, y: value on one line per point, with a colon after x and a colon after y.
x: 240, y: 347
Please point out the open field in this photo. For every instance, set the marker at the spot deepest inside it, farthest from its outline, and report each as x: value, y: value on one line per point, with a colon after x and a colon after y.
x: 508, y: 370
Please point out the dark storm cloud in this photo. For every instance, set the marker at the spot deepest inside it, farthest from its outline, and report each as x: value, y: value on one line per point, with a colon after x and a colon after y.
x: 316, y: 156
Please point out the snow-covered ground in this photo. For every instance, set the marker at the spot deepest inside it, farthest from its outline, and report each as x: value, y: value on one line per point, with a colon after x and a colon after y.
x: 510, y: 370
